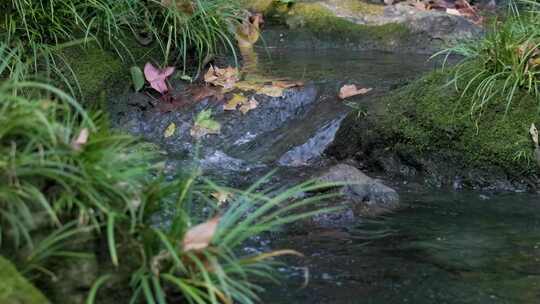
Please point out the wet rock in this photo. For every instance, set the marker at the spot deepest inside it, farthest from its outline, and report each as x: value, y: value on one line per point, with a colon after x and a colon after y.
x: 15, y: 289
x: 370, y: 196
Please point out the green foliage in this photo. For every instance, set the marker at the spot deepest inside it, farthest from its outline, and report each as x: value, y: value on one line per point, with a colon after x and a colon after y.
x: 68, y: 180
x: 503, y: 64
x: 36, y: 31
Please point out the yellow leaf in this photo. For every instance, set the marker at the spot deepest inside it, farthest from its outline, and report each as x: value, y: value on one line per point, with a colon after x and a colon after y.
x: 248, y: 106
x: 272, y: 91
x: 222, y: 197
x: 170, y: 130
x: 236, y: 101
x: 200, y: 236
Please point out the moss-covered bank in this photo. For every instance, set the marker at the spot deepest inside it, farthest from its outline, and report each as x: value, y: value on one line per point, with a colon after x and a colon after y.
x: 15, y: 289
x: 426, y: 129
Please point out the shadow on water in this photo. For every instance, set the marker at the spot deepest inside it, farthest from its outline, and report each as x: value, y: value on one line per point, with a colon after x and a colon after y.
x: 441, y: 248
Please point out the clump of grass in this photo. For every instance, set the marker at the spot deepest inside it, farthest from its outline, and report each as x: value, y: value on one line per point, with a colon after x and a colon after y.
x: 58, y: 189
x: 503, y: 64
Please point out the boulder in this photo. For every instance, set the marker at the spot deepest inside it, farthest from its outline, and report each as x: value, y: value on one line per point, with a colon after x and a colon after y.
x: 369, y: 196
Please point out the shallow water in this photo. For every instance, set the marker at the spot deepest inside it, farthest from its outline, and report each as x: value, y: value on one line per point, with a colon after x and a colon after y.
x: 442, y: 248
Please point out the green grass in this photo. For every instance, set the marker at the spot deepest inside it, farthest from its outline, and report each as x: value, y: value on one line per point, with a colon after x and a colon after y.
x: 503, y: 64
x: 58, y: 197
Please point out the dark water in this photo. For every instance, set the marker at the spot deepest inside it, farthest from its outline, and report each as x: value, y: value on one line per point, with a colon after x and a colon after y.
x: 442, y: 248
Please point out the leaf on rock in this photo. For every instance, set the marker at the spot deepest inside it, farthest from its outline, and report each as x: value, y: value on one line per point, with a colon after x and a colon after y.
x: 271, y: 90
x: 236, y: 100
x: 351, y: 90
x: 201, y: 93
x: 81, y: 140
x: 287, y: 84
x: 225, y: 78
x: 534, y: 134
x: 200, y: 236
x: 170, y: 130
x: 222, y: 197
x: 248, y: 106
x: 137, y: 78
x: 157, y: 77
x: 204, y: 125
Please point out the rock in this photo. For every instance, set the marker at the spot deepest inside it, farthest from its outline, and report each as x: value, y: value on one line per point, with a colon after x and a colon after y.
x: 15, y: 289
x: 370, y: 196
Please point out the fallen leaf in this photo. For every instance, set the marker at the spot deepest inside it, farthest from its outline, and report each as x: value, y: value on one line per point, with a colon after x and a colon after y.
x: 222, y: 197
x: 534, y: 134
x: 287, y: 84
x: 225, y: 78
x: 248, y: 85
x: 236, y: 100
x: 272, y: 91
x: 170, y: 130
x: 351, y: 90
x: 248, y: 106
x: 157, y: 77
x: 248, y: 32
x: 200, y: 93
x: 453, y: 11
x: 137, y: 78
x: 81, y: 139
x: 200, y: 236
x: 204, y: 125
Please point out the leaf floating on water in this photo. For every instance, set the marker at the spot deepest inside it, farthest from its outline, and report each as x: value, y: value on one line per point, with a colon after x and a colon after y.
x: 201, y: 93
x: 137, y: 78
x: 236, y: 101
x: 81, y: 140
x: 200, y: 236
x: 252, y: 104
x: 351, y: 90
x: 170, y: 130
x: 204, y: 125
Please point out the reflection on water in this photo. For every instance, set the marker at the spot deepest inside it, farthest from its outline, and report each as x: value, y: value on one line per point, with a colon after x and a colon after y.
x: 442, y: 248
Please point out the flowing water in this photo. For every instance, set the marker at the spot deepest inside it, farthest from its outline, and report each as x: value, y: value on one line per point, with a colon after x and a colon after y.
x: 441, y: 247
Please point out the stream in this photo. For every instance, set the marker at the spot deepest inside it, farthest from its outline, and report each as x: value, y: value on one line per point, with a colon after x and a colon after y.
x: 439, y: 247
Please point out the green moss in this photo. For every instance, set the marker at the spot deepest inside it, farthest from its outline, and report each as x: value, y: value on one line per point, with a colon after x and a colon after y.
x: 260, y: 6
x: 360, y: 7
x: 325, y: 24
x: 15, y: 289
x: 431, y: 117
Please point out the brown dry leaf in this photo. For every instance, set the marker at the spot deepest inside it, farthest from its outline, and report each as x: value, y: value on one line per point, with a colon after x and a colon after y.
x: 225, y: 78
x: 248, y: 106
x: 247, y: 33
x: 235, y: 102
x: 272, y: 91
x: 248, y: 85
x: 200, y: 236
x: 185, y: 6
x: 81, y: 140
x: 287, y: 84
x: 222, y: 197
x: 351, y: 90
x: 203, y: 92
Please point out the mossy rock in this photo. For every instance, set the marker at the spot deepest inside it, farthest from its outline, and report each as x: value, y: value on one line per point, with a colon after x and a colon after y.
x: 15, y: 289
x: 305, y: 20
x: 428, y: 125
